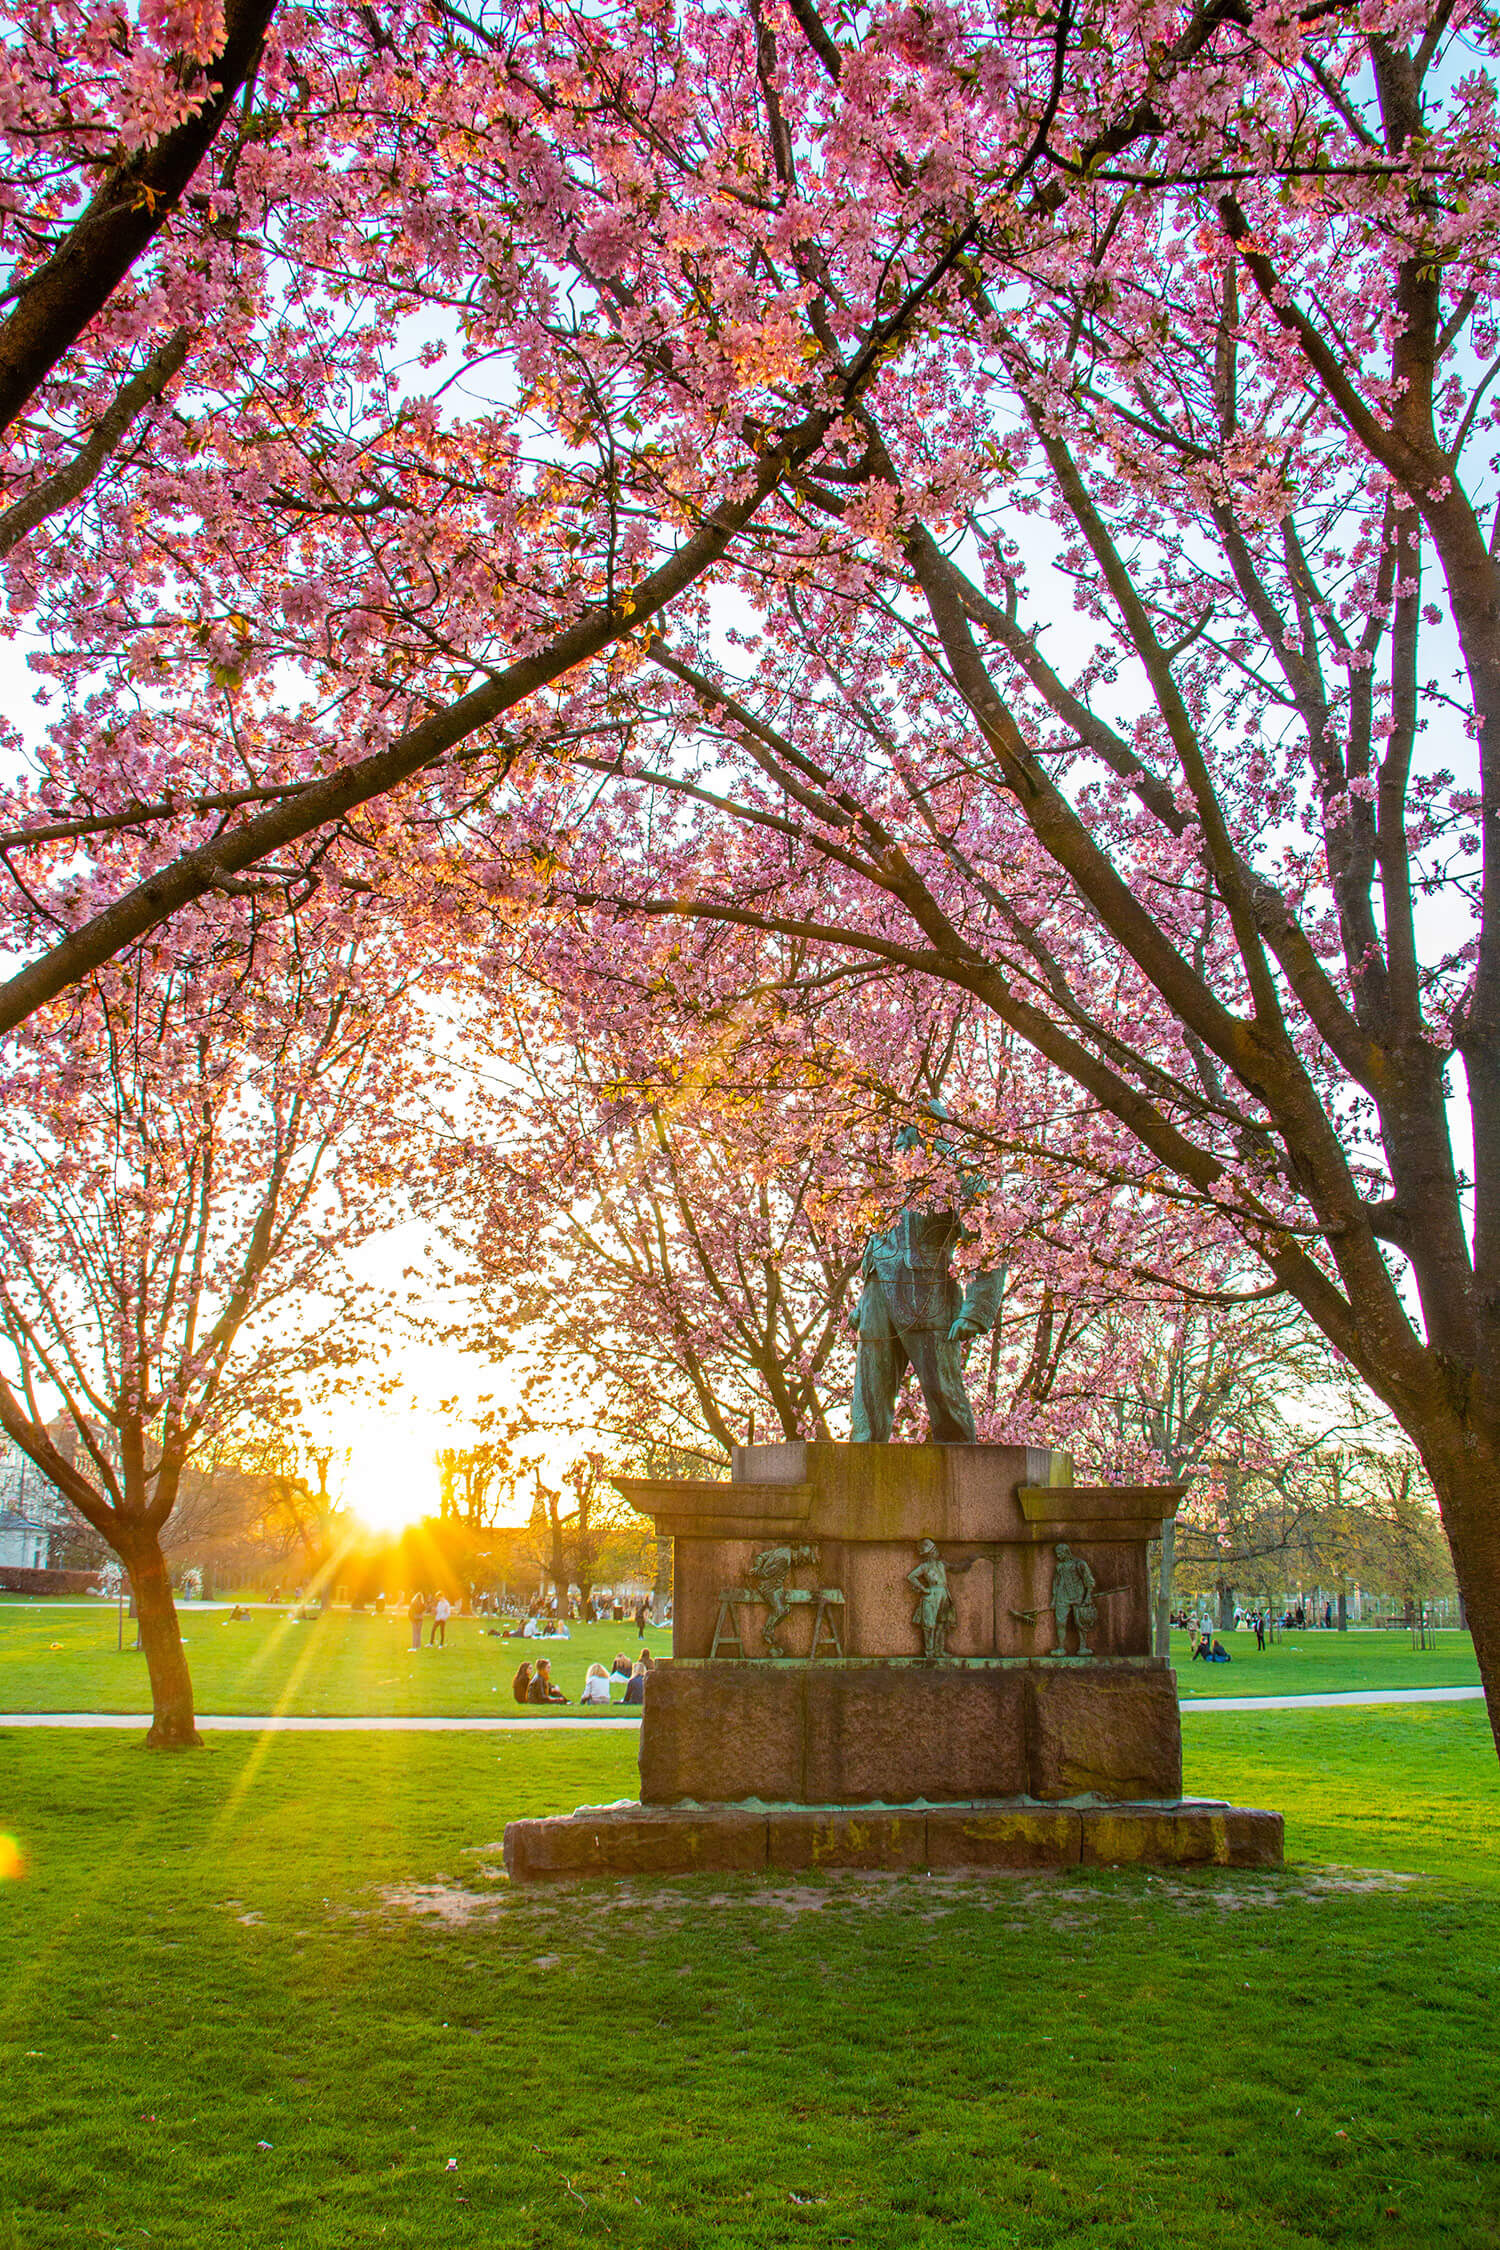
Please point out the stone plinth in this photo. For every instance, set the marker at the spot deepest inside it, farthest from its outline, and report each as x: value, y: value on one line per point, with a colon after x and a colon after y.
x: 900, y: 1724
x: 892, y: 1733
x: 644, y: 1840
x: 989, y: 1508
x: 880, y: 1711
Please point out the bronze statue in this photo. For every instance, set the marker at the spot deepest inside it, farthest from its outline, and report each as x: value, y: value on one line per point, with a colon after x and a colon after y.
x: 934, y: 1612
x: 912, y: 1313
x: 1073, y: 1602
x: 769, y: 1572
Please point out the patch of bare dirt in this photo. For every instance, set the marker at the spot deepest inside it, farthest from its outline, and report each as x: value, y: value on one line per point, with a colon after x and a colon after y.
x: 1022, y: 1897
x: 442, y: 1902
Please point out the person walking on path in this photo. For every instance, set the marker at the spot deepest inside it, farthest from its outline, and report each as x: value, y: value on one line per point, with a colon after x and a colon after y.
x: 440, y: 1615
x: 416, y: 1613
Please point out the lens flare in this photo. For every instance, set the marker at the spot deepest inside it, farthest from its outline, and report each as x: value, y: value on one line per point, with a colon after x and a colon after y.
x: 12, y: 1864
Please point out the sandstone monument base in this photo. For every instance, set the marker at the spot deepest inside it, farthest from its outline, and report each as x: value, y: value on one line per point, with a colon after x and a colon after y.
x: 738, y: 1840
x: 891, y: 1656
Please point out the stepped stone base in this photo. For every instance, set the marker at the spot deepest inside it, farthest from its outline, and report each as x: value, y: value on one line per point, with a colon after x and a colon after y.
x: 736, y: 1839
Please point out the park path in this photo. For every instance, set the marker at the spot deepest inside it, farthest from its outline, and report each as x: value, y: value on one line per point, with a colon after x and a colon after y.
x: 276, y: 1723
x: 1331, y: 1702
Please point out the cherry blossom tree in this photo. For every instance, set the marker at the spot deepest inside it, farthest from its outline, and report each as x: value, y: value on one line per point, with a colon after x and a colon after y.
x: 669, y: 1166
x: 187, y: 1155
x: 477, y: 341
x: 1193, y: 846
x: 106, y: 120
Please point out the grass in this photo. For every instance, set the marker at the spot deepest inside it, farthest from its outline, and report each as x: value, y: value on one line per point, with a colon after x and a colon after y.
x: 339, y: 1664
x: 1315, y: 1663
x: 1415, y: 1790
x: 55, y: 1658
x: 303, y: 1942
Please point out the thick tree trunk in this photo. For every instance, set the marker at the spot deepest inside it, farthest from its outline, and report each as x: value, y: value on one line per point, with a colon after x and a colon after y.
x: 1226, y: 1606
x: 172, y: 1717
x: 1465, y: 1473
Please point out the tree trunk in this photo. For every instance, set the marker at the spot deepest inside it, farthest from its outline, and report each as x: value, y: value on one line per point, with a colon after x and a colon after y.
x: 1226, y: 1606
x: 1465, y: 1472
x: 1164, y: 1586
x: 172, y: 1719
x: 1343, y: 1613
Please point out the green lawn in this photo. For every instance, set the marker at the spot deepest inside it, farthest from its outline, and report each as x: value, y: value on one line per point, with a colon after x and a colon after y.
x: 1326, y: 1664
x: 335, y: 1666
x: 304, y: 1942
x: 340, y: 1665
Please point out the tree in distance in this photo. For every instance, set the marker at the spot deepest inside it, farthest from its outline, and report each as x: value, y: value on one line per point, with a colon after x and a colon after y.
x: 175, y: 1221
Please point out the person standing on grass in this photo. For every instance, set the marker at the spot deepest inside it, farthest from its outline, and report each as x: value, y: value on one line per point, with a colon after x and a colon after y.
x: 1260, y: 1629
x: 442, y: 1611
x: 640, y: 1620
x: 416, y: 1613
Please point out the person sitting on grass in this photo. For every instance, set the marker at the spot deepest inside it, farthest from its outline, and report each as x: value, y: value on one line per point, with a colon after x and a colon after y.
x: 520, y: 1685
x: 621, y: 1667
x: 1219, y: 1654
x: 541, y: 1689
x: 635, y: 1687
x: 1200, y: 1646
x: 596, y: 1685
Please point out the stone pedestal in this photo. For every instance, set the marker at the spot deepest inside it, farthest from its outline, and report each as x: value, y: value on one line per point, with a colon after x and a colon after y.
x: 731, y: 1840
x: 810, y: 1696
x: 869, y: 1732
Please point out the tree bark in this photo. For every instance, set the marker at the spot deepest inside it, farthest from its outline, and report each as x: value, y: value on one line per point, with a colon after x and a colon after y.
x: 172, y: 1717
x: 128, y: 209
x: 1463, y: 1463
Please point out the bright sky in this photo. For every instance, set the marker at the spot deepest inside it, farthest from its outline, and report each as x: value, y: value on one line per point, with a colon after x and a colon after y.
x: 391, y: 1477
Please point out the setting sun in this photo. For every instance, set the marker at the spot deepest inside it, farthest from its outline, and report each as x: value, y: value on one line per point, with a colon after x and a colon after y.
x: 392, y: 1478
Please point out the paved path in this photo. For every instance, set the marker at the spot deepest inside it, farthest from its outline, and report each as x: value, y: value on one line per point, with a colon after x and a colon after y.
x: 273, y: 1723
x: 1331, y: 1702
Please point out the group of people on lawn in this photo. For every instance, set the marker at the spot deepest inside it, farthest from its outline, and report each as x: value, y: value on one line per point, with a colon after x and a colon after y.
x: 533, y: 1683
